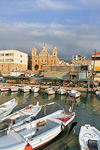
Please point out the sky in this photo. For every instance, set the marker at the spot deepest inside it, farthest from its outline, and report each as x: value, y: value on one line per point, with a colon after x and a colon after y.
x: 73, y: 26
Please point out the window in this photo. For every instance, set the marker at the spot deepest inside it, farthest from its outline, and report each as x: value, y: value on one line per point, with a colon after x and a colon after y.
x: 35, y: 60
x: 45, y: 60
x: 20, y: 61
x: 41, y: 60
x: 51, y: 60
x: 34, y: 53
x: 9, y: 60
x: 9, y: 54
x: 21, y: 56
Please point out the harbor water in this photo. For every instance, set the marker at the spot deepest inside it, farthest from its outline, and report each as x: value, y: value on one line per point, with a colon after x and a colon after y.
x: 86, y: 107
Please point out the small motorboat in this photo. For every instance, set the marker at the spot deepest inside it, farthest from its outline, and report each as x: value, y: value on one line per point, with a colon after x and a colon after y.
x: 36, y: 133
x: 89, y: 138
x: 61, y: 91
x: 74, y: 93
x: 97, y: 93
x: 20, y: 117
x: 50, y: 91
x: 7, y: 108
x: 14, y: 89
x: 35, y: 89
x: 26, y: 89
x: 4, y: 89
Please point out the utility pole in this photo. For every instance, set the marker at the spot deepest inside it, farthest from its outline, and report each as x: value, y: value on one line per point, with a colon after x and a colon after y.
x: 93, y: 68
x: 94, y: 63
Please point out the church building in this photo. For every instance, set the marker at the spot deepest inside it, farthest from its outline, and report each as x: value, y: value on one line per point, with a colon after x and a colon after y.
x: 44, y: 58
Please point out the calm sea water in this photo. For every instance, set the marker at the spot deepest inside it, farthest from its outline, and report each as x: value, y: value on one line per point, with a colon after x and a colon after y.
x: 87, y: 111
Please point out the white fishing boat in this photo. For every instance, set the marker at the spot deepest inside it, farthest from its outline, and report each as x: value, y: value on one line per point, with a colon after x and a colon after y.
x: 35, y: 89
x: 61, y: 91
x: 89, y: 138
x: 20, y: 117
x: 38, y: 132
x: 14, y: 88
x: 97, y: 93
x: 49, y: 91
x: 7, y: 108
x: 74, y: 93
x: 4, y: 89
x: 26, y: 89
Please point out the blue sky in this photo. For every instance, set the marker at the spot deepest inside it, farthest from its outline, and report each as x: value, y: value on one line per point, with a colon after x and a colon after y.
x: 73, y: 26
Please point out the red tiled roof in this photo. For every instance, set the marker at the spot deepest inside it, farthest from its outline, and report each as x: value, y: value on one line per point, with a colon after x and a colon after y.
x: 96, y: 53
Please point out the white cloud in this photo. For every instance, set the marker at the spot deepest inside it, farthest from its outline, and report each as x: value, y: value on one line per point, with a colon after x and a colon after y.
x: 25, y: 6
x: 81, y: 40
x: 54, y: 4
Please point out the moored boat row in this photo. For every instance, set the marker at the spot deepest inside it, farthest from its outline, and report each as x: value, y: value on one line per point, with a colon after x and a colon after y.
x: 21, y: 128
x: 62, y: 91
x: 37, y: 132
x: 16, y: 88
x: 49, y: 91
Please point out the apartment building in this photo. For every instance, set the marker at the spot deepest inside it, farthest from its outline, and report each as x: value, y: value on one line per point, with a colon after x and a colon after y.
x: 78, y: 57
x: 13, y: 60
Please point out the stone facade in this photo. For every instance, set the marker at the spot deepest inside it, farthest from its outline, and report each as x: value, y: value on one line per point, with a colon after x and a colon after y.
x: 58, y: 68
x: 12, y: 60
x: 81, y: 62
x: 44, y: 58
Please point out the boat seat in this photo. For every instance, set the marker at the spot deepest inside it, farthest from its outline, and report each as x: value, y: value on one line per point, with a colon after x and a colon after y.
x: 92, y: 145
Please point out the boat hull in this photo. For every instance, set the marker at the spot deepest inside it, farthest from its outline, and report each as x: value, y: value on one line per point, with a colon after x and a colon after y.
x: 35, y: 90
x: 43, y: 137
x: 74, y: 93
x: 7, y: 107
x: 49, y: 91
x: 89, y: 137
x: 4, y: 90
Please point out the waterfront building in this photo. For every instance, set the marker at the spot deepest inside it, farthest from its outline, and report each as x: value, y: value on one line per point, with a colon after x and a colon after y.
x: 96, y: 66
x: 78, y: 57
x: 44, y: 58
x: 82, y: 65
x: 96, y: 61
x: 13, y: 60
x: 85, y: 64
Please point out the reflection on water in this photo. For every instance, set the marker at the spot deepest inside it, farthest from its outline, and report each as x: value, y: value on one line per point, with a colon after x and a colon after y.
x: 60, y: 98
x: 51, y: 97
x: 3, y: 93
x: 86, y: 107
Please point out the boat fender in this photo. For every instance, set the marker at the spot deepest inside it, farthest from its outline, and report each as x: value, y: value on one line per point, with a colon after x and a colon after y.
x: 42, y: 123
x: 27, y: 107
x: 62, y: 127
x: 28, y: 147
